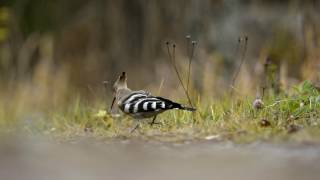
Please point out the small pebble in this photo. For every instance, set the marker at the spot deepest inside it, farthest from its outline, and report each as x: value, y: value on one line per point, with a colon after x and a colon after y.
x: 264, y: 123
x: 88, y: 130
x: 212, y: 137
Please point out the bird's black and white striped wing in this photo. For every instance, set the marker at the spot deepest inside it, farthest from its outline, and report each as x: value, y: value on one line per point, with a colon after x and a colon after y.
x: 138, y: 102
x: 134, y: 96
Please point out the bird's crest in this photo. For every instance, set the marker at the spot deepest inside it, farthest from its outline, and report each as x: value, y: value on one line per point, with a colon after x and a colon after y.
x: 121, y: 82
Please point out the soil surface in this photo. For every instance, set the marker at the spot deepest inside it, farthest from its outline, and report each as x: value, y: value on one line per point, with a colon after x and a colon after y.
x: 85, y: 158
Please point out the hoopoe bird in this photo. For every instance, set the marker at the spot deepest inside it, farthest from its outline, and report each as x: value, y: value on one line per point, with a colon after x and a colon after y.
x: 141, y: 104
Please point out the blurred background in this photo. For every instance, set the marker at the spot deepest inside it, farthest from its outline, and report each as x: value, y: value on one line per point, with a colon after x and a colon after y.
x: 57, y: 53
x: 51, y: 51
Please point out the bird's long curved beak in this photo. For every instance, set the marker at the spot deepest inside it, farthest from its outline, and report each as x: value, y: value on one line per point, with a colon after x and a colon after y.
x: 113, y: 100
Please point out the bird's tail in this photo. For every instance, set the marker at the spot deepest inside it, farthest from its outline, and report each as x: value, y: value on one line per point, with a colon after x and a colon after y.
x: 187, y: 108
x: 173, y: 105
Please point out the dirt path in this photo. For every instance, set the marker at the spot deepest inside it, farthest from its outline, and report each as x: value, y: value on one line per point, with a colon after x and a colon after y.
x: 136, y: 159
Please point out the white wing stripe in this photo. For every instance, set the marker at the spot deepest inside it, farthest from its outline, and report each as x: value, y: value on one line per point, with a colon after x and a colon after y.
x: 163, y: 105
x: 133, y: 97
x: 145, y: 106
x: 126, y: 108
x: 154, y: 105
x: 136, y: 105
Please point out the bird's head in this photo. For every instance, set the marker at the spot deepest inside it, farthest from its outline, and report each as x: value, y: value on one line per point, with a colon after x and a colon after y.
x: 121, y: 82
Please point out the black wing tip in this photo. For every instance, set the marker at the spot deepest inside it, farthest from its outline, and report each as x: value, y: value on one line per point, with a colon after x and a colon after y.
x: 189, y: 109
x: 176, y: 105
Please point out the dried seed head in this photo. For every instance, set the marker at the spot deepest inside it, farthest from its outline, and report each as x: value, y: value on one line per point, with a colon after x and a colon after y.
x: 194, y: 42
x: 257, y: 103
x: 167, y: 42
x: 174, y: 45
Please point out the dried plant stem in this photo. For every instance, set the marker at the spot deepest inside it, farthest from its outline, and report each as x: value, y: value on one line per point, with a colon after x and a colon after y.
x: 264, y: 80
x: 106, y: 83
x: 188, y: 37
x: 241, y: 61
x: 173, y: 63
x: 236, y: 54
x: 263, y: 92
x: 160, y: 87
x: 189, y: 65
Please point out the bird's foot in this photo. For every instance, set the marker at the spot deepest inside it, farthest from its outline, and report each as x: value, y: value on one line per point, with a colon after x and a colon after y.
x: 134, y: 128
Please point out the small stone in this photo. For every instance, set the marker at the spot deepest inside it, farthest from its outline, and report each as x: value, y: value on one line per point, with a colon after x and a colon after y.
x: 211, y: 137
x: 88, y: 130
x: 264, y: 123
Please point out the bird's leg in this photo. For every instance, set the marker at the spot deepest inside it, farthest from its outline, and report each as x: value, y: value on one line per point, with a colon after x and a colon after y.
x: 154, y: 121
x: 136, y: 126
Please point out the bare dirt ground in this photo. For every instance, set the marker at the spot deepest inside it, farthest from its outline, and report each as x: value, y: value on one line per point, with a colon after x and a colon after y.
x: 85, y: 158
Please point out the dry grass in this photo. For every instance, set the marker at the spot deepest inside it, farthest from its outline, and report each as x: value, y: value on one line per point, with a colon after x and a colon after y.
x: 290, y: 116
